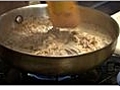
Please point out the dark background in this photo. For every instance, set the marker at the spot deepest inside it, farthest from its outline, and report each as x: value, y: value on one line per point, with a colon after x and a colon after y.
x: 109, y: 7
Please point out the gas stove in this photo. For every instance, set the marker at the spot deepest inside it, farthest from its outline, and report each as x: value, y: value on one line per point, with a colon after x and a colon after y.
x: 104, y: 74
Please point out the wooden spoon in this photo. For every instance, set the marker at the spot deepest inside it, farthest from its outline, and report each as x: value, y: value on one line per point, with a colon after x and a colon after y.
x: 63, y: 13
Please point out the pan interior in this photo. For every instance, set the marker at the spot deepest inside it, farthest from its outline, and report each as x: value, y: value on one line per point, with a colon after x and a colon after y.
x: 36, y: 35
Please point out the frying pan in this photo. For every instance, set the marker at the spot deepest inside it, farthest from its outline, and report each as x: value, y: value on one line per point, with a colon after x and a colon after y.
x: 48, y: 65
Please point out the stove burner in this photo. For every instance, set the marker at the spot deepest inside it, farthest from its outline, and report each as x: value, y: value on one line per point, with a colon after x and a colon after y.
x: 105, y: 74
x: 52, y: 78
x: 91, y: 76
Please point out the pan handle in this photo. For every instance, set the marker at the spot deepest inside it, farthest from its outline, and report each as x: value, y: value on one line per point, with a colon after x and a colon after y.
x: 19, y: 19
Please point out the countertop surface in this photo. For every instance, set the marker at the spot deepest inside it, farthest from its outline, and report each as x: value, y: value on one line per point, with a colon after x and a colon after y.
x: 116, y: 17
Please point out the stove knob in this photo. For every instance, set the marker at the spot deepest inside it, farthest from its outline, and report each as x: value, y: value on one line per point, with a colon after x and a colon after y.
x: 118, y: 78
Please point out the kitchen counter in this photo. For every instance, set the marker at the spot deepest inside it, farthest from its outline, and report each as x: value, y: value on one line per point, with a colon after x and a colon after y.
x: 116, y: 17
